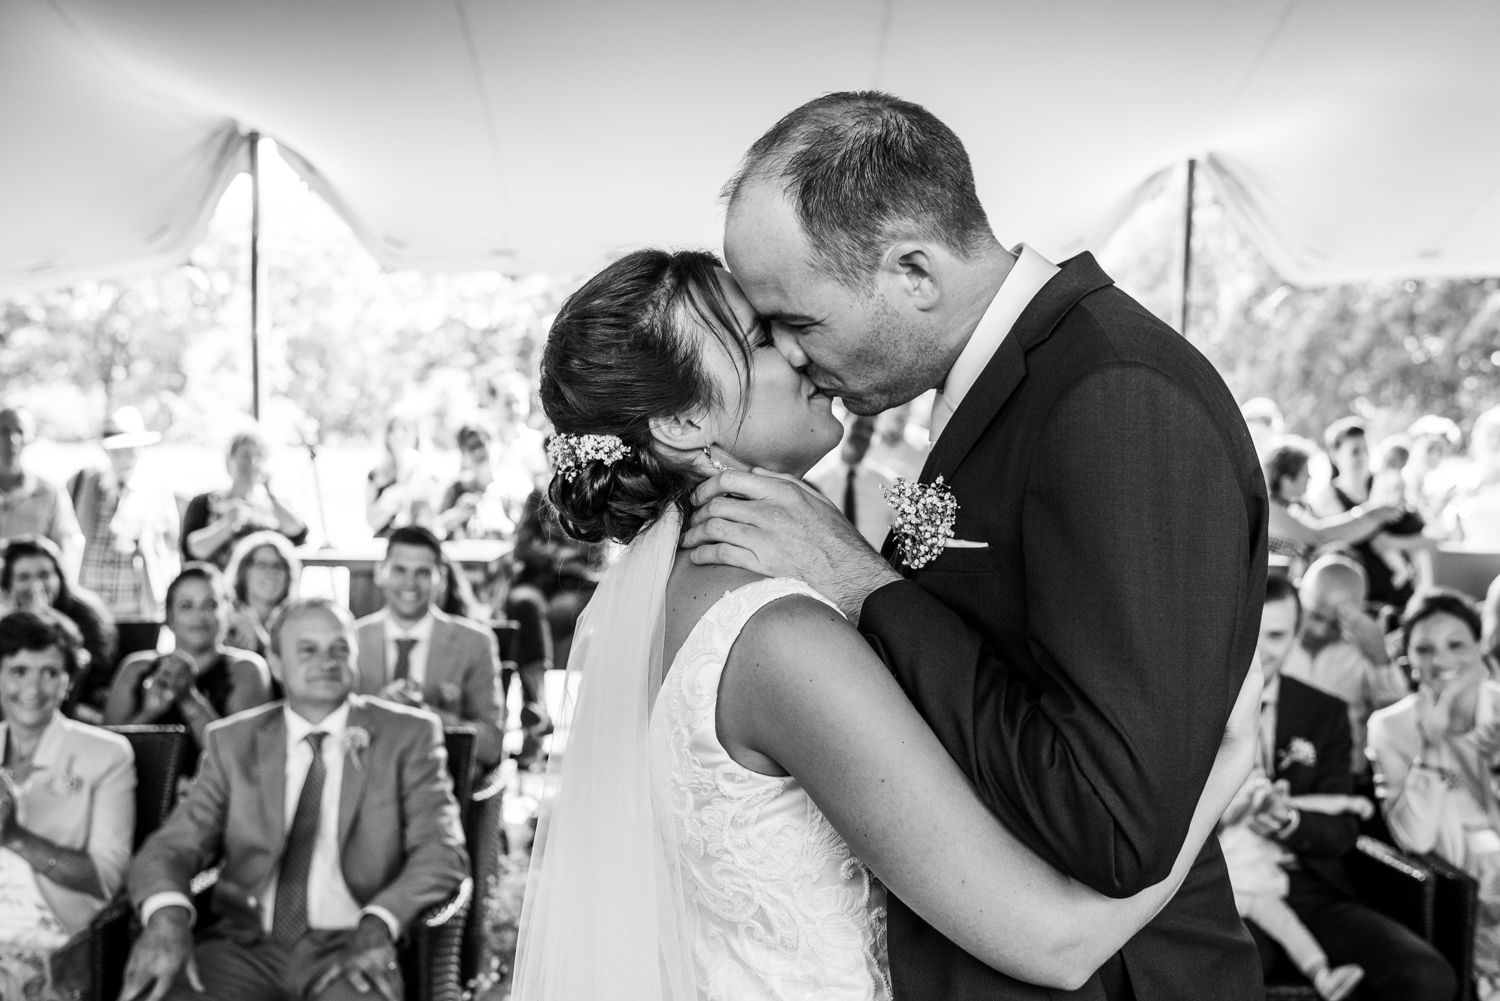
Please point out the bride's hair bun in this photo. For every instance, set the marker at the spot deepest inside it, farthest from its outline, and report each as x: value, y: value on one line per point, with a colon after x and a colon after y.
x: 624, y: 351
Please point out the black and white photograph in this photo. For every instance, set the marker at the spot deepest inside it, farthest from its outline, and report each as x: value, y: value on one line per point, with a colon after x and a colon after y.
x: 673, y: 500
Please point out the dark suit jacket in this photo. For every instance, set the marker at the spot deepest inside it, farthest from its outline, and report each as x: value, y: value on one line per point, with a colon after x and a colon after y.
x: 1082, y: 666
x: 1312, y: 754
x: 400, y: 843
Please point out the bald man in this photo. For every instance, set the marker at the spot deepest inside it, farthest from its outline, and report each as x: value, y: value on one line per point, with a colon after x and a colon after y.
x: 1342, y: 650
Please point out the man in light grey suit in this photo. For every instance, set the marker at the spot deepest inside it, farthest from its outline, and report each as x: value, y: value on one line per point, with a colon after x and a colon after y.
x: 332, y: 820
x: 410, y: 652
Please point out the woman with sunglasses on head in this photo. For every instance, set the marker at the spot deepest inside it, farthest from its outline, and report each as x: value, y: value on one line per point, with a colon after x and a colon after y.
x: 264, y: 572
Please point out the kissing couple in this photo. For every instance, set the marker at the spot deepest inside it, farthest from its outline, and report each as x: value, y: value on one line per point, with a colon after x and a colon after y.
x: 983, y: 763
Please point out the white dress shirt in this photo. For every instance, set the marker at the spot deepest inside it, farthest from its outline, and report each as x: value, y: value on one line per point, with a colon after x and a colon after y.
x: 872, y: 512
x: 417, y: 662
x: 1027, y: 276
x: 330, y: 905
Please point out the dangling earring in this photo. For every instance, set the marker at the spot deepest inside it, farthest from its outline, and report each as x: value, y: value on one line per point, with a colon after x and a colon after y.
x: 708, y: 453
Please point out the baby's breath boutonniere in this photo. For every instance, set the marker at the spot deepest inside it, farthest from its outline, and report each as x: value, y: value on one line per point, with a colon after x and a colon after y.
x: 450, y: 694
x: 925, y: 513
x: 66, y: 782
x: 356, y: 739
x: 1299, y: 752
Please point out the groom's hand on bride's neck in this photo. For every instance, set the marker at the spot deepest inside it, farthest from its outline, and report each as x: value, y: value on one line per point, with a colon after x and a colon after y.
x: 778, y: 526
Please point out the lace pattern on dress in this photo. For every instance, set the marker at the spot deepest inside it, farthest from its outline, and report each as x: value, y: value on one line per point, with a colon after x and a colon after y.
x: 779, y: 906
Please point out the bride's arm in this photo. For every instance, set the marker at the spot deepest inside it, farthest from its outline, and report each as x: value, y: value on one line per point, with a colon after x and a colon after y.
x: 803, y: 689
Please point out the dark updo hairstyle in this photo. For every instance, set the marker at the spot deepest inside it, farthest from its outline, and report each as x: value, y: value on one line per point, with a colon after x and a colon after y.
x: 29, y: 631
x: 625, y: 350
x: 1438, y: 601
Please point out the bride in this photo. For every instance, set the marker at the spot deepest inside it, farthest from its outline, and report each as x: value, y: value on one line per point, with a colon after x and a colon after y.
x: 742, y: 779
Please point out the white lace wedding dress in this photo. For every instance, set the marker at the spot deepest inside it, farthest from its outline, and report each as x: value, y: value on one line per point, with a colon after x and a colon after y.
x: 778, y: 906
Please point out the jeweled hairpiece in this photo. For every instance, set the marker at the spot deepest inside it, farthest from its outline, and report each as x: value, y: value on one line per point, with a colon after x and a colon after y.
x: 569, y: 453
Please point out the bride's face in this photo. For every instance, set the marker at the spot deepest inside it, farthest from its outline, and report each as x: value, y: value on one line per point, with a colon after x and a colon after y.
x: 775, y: 418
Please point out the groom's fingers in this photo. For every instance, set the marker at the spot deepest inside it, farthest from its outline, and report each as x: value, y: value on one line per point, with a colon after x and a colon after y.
x: 727, y: 555
x: 716, y: 530
x: 727, y: 508
x: 737, y: 482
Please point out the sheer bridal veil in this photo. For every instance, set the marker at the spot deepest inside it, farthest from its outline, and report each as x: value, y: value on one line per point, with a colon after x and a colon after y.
x: 604, y: 916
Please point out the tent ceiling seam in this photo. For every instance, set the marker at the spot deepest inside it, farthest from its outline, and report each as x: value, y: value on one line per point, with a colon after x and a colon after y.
x: 1253, y: 69
x: 883, y: 39
x: 170, y: 103
x: 476, y: 66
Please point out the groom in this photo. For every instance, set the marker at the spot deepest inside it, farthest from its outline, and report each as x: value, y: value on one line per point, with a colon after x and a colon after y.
x: 1078, y: 642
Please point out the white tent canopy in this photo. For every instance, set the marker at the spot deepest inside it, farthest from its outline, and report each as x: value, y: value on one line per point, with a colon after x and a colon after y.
x: 1355, y: 138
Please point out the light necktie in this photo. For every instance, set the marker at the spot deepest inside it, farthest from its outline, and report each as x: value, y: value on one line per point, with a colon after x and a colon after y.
x: 849, y: 494
x: 1267, y: 742
x: 290, y: 921
x: 403, y: 658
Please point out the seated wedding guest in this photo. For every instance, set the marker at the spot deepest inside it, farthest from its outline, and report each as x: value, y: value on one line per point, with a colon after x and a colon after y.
x: 1305, y: 751
x: 474, y: 505
x: 1254, y: 857
x: 1434, y: 755
x: 201, y: 680
x: 1433, y: 439
x: 399, y: 490
x: 129, y: 524
x: 560, y: 568
x: 264, y: 571
x: 1476, y: 514
x: 1264, y: 420
x: 215, y: 521
x: 455, y: 593
x: 1293, y: 530
x: 29, y: 505
x: 32, y: 579
x: 67, y: 804
x: 332, y: 822
x: 857, y: 486
x: 1384, y: 557
x: 413, y: 653
x: 1342, y: 651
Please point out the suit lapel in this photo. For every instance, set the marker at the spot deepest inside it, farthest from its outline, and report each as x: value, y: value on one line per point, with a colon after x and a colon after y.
x: 437, y: 653
x: 1079, y: 276
x: 356, y: 769
x: 269, y: 753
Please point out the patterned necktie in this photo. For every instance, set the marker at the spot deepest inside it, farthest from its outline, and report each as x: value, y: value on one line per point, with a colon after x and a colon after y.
x: 403, y: 658
x: 290, y: 920
x: 849, y: 494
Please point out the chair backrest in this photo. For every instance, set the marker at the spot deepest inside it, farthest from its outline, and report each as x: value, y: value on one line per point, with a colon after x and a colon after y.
x: 460, y: 741
x: 161, y: 755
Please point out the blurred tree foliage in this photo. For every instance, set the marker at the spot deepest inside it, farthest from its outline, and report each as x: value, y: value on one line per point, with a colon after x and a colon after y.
x: 343, y: 344
x: 1389, y: 351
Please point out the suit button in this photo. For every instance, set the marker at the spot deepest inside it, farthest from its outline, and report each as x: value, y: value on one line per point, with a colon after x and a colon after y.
x: 251, y: 901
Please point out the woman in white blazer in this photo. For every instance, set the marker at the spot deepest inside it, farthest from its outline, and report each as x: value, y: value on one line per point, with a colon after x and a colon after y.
x: 67, y: 802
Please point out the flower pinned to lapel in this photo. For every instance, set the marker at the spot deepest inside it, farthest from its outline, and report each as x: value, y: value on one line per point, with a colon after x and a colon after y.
x: 356, y: 739
x: 1299, y: 752
x: 925, y: 513
x: 450, y: 694
x: 66, y: 782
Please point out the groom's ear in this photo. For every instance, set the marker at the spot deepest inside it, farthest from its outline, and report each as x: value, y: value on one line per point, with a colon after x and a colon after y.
x: 907, y: 271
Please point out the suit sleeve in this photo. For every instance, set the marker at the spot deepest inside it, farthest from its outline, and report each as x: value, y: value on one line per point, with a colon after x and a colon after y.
x: 112, y: 820
x: 1144, y: 566
x: 190, y: 840
x: 436, y: 862
x: 1328, y: 835
x: 482, y: 698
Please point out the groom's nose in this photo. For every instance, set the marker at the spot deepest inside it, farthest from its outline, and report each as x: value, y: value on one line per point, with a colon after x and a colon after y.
x: 786, y: 342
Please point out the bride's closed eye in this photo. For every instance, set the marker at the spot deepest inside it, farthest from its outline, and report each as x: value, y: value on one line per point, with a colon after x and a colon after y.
x: 760, y: 334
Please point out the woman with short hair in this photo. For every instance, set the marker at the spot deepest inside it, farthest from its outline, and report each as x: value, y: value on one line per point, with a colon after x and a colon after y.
x: 1293, y: 530
x: 215, y: 521
x: 67, y: 804
x: 264, y: 572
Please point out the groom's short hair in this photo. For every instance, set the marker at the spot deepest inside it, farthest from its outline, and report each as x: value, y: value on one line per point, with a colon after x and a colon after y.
x: 862, y: 166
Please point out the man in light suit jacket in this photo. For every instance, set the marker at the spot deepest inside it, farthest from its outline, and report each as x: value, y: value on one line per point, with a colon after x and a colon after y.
x: 412, y: 653
x: 332, y: 820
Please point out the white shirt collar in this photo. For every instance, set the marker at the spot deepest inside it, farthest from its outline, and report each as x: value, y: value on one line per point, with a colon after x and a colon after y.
x: 333, y: 724
x: 1027, y: 276
x: 421, y: 632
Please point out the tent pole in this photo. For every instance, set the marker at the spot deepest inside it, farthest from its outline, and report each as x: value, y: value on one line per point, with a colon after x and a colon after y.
x: 1187, y: 251
x: 255, y: 275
